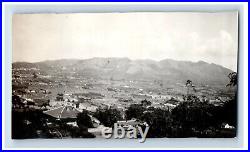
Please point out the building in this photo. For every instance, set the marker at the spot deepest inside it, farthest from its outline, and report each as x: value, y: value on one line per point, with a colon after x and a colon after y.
x: 63, y: 112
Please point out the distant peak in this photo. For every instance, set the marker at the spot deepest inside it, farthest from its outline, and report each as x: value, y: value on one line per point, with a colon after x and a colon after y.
x: 110, y: 58
x: 202, y: 62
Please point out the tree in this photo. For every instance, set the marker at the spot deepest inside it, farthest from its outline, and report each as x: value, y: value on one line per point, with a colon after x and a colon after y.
x: 228, y: 112
x: 192, y: 118
x: 84, y: 120
x: 26, y: 123
x: 233, y: 79
x: 134, y: 111
x: 229, y: 109
x: 190, y: 96
x: 189, y: 85
x: 35, y: 75
x: 108, y: 116
x: 160, y: 122
x: 145, y: 103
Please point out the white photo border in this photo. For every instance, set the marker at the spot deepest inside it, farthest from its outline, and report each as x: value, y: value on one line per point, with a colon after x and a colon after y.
x: 238, y: 143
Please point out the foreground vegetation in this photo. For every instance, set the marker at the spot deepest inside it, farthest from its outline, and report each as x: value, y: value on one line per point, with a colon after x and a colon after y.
x: 191, y: 118
x: 188, y: 119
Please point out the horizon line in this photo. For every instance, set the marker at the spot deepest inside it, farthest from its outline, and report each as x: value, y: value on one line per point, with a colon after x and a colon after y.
x: 123, y: 58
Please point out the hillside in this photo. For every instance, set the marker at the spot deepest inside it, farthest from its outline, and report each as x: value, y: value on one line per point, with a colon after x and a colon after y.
x: 168, y: 70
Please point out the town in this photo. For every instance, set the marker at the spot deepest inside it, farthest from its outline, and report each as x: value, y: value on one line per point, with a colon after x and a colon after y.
x: 65, y: 104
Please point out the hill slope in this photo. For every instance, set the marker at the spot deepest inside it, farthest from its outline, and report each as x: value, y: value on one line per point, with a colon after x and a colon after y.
x: 167, y: 70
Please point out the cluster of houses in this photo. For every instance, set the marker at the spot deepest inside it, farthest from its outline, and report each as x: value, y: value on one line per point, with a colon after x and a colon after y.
x: 77, y: 101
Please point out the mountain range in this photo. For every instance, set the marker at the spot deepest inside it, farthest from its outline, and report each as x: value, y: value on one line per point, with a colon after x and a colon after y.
x: 167, y: 70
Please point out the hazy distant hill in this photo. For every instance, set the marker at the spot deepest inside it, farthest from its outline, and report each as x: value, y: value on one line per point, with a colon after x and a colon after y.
x: 167, y: 70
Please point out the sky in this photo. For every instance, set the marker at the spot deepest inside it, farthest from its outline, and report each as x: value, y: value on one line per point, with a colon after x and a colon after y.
x: 189, y: 36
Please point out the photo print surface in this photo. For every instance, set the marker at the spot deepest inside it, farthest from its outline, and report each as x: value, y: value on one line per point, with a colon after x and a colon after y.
x: 124, y: 75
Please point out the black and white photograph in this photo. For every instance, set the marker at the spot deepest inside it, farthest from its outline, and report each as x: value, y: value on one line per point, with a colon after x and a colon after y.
x: 134, y: 75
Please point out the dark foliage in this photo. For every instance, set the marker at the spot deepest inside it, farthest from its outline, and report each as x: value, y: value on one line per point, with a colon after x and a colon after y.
x: 26, y: 123
x: 135, y: 111
x: 84, y: 120
x: 191, y: 118
x: 232, y: 79
x: 159, y: 121
x: 108, y: 116
x: 228, y: 113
